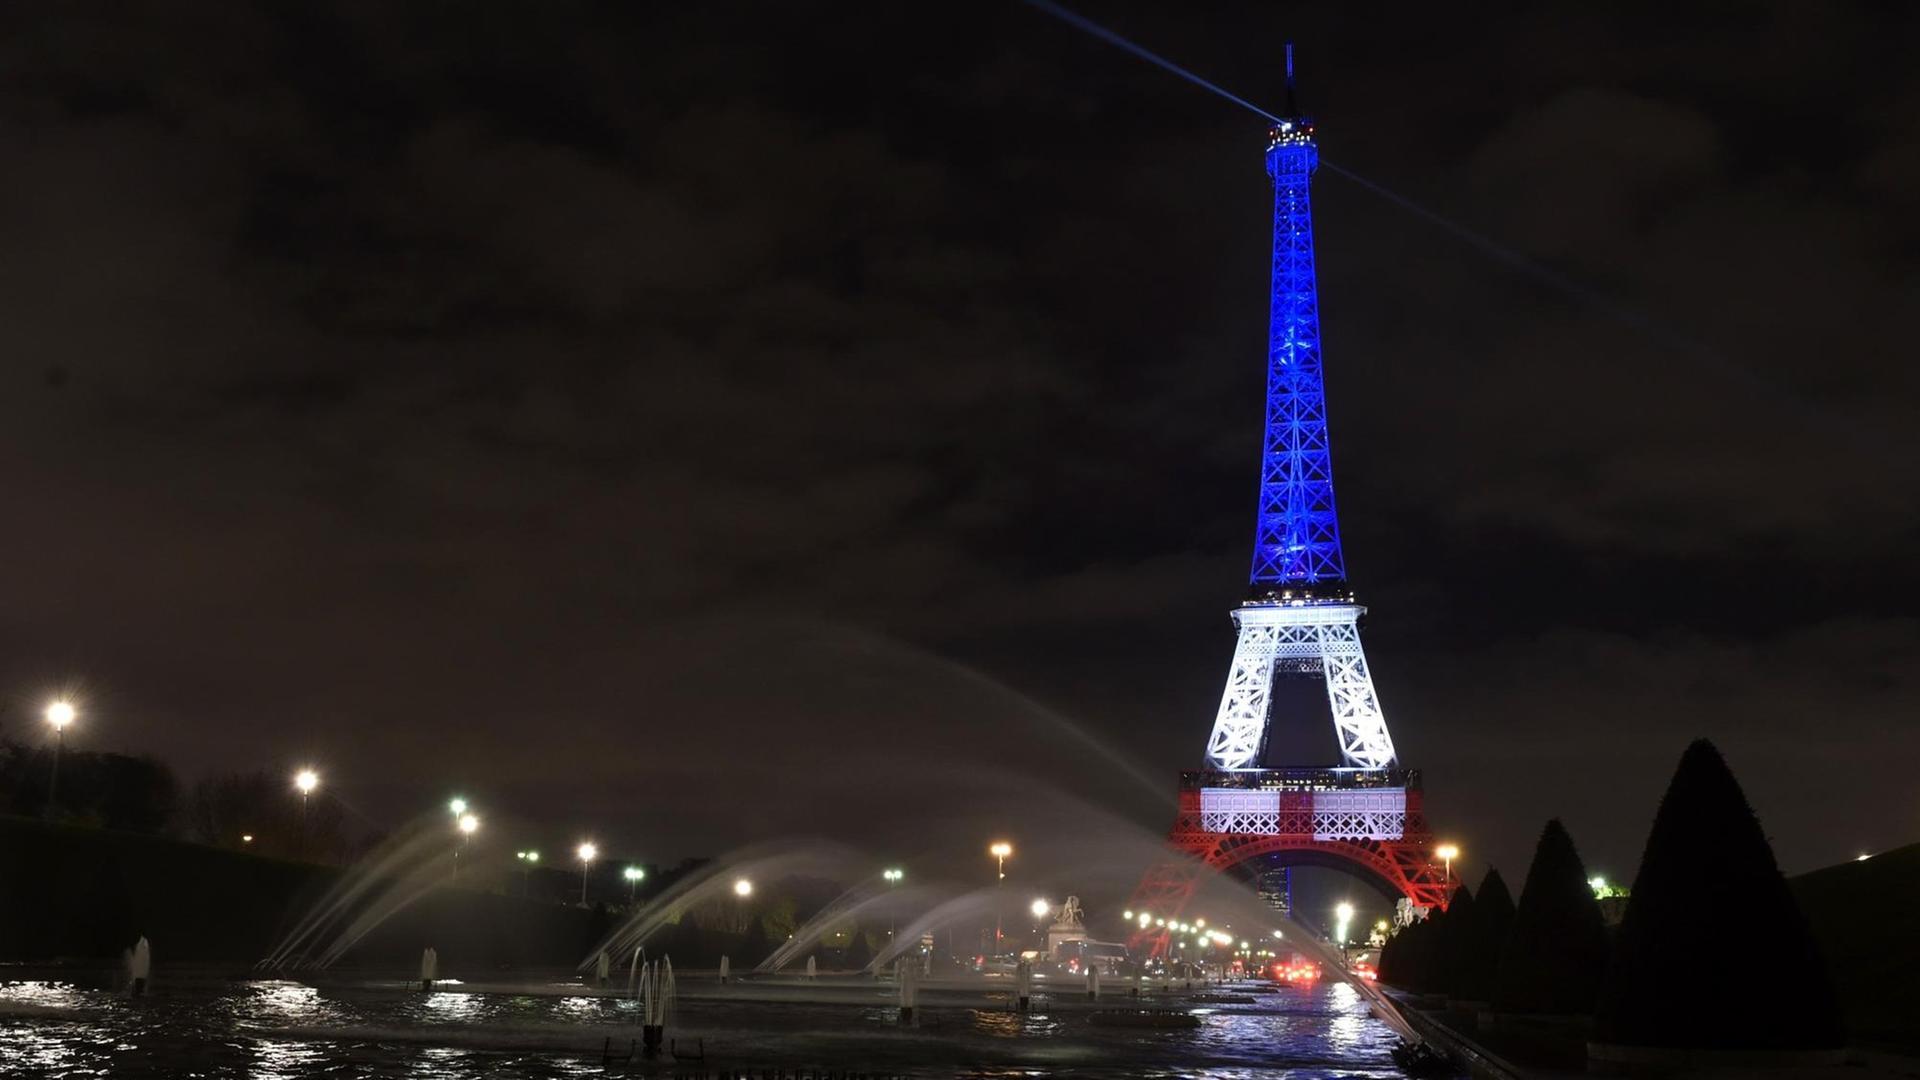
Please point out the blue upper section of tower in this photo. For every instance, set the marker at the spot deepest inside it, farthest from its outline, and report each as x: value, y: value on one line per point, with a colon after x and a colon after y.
x: 1296, y: 551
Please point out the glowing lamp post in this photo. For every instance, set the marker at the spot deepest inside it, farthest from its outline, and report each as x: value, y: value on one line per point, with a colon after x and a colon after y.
x: 528, y: 860
x: 457, y: 806
x: 634, y: 876
x: 468, y: 825
x: 586, y: 852
x: 1000, y: 850
x: 305, y: 781
x: 742, y: 888
x: 1448, y: 853
x: 59, y: 714
x: 1343, y: 915
x: 893, y: 877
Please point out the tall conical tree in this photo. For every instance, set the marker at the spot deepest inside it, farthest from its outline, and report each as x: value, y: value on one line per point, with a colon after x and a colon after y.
x: 1492, y: 918
x: 1556, y: 951
x: 1708, y: 870
x: 1428, y: 949
x: 1391, y: 957
x: 1455, y: 949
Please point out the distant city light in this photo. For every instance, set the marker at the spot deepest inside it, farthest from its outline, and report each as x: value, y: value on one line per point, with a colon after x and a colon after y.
x: 246, y: 838
x: 1862, y: 858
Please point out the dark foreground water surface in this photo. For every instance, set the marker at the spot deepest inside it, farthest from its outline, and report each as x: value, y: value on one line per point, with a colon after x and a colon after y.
x: 214, y: 1027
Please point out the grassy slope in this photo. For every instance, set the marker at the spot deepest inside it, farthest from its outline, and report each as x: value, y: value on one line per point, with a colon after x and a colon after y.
x: 70, y: 892
x: 1862, y: 913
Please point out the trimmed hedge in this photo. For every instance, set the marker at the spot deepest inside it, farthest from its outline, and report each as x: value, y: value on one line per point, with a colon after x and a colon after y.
x: 1713, y: 952
x: 1556, y: 951
x: 1492, y: 919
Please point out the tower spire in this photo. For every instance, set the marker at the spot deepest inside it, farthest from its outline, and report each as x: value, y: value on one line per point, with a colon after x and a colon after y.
x: 1292, y: 109
x: 1297, y: 540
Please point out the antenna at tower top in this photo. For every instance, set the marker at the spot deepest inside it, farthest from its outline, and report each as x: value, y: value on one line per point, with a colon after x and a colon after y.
x: 1292, y: 110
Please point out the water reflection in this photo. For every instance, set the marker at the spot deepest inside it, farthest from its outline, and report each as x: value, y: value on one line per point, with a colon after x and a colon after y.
x: 455, y: 1006
x: 43, y: 995
x: 278, y: 1029
x: 285, y: 1060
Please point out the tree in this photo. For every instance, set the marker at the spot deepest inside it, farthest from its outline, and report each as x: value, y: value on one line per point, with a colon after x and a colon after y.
x: 1556, y: 951
x: 754, y: 947
x: 1454, y: 951
x: 1707, y: 863
x: 1404, y: 962
x: 1492, y: 918
x: 1392, y: 956
x: 859, y: 952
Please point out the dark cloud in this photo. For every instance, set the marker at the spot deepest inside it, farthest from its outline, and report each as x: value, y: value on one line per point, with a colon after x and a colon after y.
x: 618, y: 412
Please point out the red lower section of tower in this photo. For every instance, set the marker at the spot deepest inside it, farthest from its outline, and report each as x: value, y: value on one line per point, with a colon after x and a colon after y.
x: 1403, y: 866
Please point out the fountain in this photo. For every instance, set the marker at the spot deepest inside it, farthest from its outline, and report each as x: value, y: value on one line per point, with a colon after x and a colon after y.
x: 760, y: 862
x: 1022, y: 985
x: 429, y: 969
x: 633, y: 972
x: 1093, y: 984
x: 726, y: 968
x: 139, y: 960
x: 812, y: 968
x: 390, y: 878
x: 656, y: 1004
x: 600, y: 966
x: 906, y: 974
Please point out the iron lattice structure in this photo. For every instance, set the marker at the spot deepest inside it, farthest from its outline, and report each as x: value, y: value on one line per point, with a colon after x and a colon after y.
x: 1298, y: 538
x: 1300, y: 620
x: 1370, y: 823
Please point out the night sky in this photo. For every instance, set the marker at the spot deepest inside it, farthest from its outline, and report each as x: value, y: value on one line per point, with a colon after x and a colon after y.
x: 693, y: 424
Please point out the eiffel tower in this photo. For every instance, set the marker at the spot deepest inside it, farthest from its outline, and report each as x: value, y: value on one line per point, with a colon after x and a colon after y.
x: 1300, y: 620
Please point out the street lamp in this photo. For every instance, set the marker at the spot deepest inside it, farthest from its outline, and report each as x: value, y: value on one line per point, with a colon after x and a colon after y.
x: 742, y: 888
x: 587, y: 852
x: 633, y: 874
x: 893, y: 877
x: 1040, y: 908
x: 528, y: 860
x: 1448, y: 853
x: 305, y: 781
x: 468, y: 825
x: 1343, y: 914
x: 59, y: 713
x: 457, y: 806
x: 1000, y: 851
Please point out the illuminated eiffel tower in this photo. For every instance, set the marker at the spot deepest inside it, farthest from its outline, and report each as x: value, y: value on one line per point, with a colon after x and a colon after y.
x: 1300, y: 620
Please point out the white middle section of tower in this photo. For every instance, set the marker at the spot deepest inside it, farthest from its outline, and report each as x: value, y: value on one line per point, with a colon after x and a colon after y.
x: 1326, y: 636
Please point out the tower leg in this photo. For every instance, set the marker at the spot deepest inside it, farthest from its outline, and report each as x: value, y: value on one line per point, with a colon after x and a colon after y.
x: 1239, y: 738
